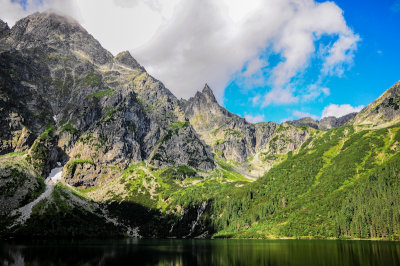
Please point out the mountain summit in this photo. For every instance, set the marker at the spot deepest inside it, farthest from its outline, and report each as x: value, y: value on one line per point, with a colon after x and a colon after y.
x: 92, y: 99
x: 135, y: 161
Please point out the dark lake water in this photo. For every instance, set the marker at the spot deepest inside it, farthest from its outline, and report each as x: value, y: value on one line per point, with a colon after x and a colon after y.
x: 200, y: 252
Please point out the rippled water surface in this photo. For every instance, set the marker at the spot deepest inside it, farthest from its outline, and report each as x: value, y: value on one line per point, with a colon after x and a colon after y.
x: 200, y: 252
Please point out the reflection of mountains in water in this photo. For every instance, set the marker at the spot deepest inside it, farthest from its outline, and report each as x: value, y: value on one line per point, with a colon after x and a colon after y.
x: 202, y: 252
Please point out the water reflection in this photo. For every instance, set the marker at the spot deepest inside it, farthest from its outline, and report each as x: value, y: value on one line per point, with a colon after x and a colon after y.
x: 201, y: 252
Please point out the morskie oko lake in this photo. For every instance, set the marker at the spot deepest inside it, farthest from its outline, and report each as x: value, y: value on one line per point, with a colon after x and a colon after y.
x: 199, y: 252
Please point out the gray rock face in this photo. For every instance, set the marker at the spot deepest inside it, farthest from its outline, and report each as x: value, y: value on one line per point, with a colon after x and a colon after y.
x: 325, y: 123
x: 181, y: 146
x: 57, y: 32
x: 227, y: 133
x: 384, y: 110
x: 126, y: 59
x: 4, y: 29
x: 231, y: 136
x: 333, y: 122
x: 107, y: 112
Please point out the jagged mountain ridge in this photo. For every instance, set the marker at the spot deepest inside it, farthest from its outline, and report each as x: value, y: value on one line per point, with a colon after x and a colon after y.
x: 325, y: 123
x: 88, y: 83
x: 234, y: 139
x: 175, y: 168
x: 107, y: 111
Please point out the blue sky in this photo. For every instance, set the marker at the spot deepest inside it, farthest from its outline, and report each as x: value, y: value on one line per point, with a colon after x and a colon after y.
x: 375, y: 67
x: 265, y: 60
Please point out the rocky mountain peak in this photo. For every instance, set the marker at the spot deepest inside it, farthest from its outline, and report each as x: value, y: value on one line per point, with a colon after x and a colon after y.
x: 40, y: 24
x: 204, y: 102
x: 57, y: 32
x: 208, y: 93
x: 126, y: 59
x: 384, y: 110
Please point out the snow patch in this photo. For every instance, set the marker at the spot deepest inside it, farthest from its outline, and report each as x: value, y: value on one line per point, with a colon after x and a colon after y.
x: 55, y: 174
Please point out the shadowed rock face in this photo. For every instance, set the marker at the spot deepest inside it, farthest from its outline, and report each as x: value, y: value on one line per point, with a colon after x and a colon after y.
x: 105, y: 111
x: 4, y: 29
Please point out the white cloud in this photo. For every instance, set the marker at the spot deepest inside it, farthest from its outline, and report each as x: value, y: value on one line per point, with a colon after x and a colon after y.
x: 340, y: 110
x: 299, y: 114
x: 255, y: 99
x: 119, y: 25
x: 314, y: 91
x: 279, y: 96
x: 326, y: 91
x: 255, y: 118
x: 186, y: 43
x: 11, y: 12
x: 341, y: 54
x: 253, y: 66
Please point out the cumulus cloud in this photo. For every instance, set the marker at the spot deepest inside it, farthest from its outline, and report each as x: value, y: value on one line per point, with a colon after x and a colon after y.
x: 340, y: 110
x: 314, y: 91
x: 255, y: 118
x: 255, y: 99
x: 186, y: 43
x: 11, y: 11
x: 341, y: 54
x: 212, y: 45
x: 119, y: 25
x: 279, y: 96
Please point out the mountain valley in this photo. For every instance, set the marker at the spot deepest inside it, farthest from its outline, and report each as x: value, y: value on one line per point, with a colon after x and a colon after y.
x: 139, y: 162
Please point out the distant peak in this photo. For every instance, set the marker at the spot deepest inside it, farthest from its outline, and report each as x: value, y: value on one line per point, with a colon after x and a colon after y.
x: 206, y: 88
x: 207, y: 91
x: 126, y: 59
x: 54, y: 16
x: 59, y: 32
x: 42, y: 24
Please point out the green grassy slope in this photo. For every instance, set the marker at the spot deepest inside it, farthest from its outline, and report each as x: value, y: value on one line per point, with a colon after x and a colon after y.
x: 341, y: 184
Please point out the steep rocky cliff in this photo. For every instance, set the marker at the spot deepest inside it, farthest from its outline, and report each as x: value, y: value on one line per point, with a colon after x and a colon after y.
x: 250, y: 146
x: 137, y: 161
x: 106, y: 111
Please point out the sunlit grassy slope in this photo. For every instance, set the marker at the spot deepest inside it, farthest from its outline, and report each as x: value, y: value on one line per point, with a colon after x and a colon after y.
x: 342, y: 183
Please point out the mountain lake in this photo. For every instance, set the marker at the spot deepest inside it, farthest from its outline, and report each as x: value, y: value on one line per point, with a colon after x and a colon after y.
x: 199, y: 252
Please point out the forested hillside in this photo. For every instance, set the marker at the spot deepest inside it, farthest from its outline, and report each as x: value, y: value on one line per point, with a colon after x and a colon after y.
x: 92, y: 145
